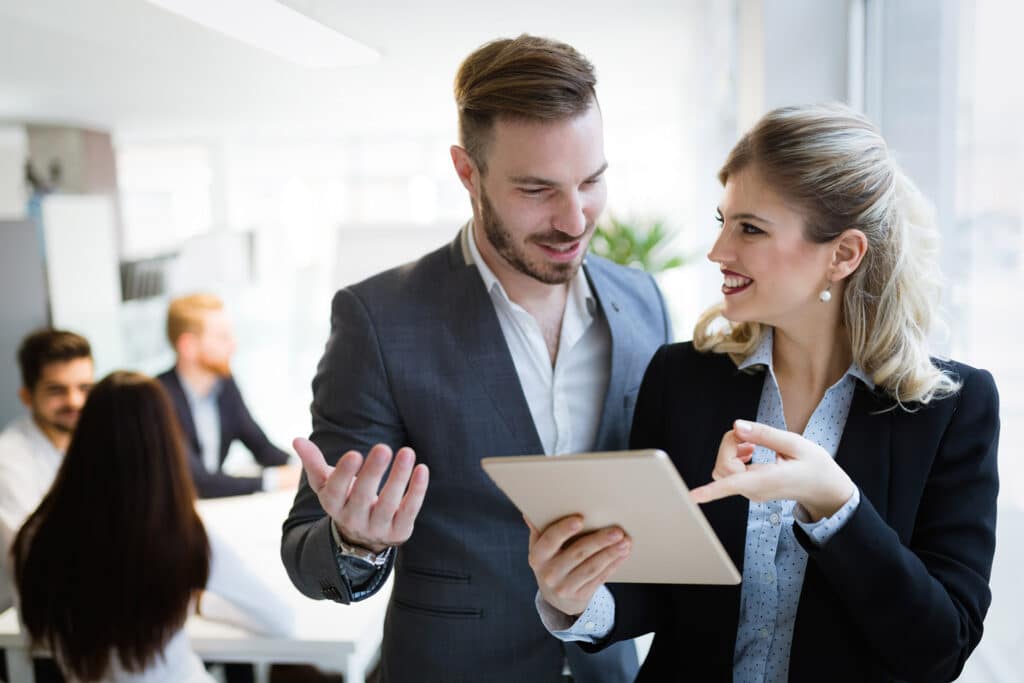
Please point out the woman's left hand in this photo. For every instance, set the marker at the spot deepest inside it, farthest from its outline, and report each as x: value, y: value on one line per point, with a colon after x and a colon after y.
x: 803, y: 471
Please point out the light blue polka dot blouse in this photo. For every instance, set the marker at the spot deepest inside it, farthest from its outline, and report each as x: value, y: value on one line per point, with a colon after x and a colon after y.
x: 774, y: 562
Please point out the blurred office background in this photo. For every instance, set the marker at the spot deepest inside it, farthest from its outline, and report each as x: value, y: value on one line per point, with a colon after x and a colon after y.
x: 272, y: 167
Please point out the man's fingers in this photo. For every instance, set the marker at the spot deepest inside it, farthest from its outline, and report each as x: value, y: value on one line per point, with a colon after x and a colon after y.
x: 405, y: 517
x: 578, y: 553
x: 390, y: 496
x: 554, y: 537
x: 534, y: 531
x: 364, y: 492
x: 334, y: 492
x: 596, y: 565
x: 588, y: 589
x: 317, y: 469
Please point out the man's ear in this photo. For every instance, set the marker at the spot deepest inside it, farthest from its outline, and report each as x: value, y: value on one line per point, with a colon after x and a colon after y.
x: 25, y: 396
x: 466, y: 169
x: 849, y: 250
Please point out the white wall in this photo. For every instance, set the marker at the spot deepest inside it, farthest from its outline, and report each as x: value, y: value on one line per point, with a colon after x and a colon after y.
x: 13, y: 151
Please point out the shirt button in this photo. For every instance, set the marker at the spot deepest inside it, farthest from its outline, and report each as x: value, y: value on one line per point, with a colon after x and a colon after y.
x: 590, y: 626
x: 769, y: 578
x: 775, y: 519
x: 763, y: 634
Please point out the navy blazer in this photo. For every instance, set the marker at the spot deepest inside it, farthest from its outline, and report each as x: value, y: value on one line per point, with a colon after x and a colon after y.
x: 417, y: 357
x: 899, y: 593
x: 235, y: 423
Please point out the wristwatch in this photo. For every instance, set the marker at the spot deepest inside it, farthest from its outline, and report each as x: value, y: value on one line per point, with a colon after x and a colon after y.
x: 359, y: 553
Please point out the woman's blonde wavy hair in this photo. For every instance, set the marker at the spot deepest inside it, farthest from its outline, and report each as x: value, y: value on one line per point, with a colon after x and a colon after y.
x: 833, y: 163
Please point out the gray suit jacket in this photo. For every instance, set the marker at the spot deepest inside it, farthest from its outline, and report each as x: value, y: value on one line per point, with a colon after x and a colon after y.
x: 417, y: 357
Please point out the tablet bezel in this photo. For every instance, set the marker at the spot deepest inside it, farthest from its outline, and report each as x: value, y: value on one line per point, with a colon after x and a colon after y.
x: 640, y: 490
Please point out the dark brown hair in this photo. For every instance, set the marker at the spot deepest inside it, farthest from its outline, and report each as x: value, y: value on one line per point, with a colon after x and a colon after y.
x: 525, y: 78
x: 43, y: 347
x: 109, y: 561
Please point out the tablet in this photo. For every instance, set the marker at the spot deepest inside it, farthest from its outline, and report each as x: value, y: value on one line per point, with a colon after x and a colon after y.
x: 641, y: 491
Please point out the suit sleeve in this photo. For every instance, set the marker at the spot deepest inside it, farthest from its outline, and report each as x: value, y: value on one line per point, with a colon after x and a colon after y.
x: 641, y: 608
x: 352, y: 409
x: 265, y: 452
x: 218, y: 484
x: 920, y: 607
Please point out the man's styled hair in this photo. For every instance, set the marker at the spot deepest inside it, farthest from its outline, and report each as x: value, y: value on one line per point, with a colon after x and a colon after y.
x: 526, y: 78
x: 185, y: 314
x: 43, y: 347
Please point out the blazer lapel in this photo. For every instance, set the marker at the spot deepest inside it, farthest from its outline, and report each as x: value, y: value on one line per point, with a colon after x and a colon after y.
x: 864, y: 450
x: 184, y: 411
x: 729, y: 515
x: 481, y: 342
x: 622, y: 343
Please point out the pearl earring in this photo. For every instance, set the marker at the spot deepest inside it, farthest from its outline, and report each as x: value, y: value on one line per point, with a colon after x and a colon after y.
x: 826, y: 294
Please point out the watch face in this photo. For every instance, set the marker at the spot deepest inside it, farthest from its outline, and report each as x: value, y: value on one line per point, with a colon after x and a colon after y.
x: 364, y: 555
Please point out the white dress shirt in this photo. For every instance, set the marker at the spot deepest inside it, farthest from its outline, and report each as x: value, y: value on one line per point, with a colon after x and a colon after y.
x: 565, y: 400
x: 28, y: 465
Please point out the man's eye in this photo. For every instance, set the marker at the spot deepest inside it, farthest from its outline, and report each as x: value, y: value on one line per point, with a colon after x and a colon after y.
x: 532, y: 190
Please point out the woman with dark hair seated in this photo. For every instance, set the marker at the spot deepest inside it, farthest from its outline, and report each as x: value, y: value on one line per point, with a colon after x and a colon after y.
x: 113, y: 560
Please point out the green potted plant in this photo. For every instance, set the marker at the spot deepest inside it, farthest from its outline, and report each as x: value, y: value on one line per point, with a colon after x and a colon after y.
x: 636, y: 245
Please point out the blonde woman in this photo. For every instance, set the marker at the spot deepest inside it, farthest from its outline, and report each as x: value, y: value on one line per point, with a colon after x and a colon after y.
x: 849, y: 475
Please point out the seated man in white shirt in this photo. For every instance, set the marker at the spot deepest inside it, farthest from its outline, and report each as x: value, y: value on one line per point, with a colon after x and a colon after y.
x: 56, y: 374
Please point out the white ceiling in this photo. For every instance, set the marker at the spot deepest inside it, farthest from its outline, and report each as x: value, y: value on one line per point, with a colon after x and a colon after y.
x: 133, y: 68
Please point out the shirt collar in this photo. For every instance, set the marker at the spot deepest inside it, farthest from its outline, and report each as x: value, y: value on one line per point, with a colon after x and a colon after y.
x: 192, y: 396
x: 35, y: 434
x: 580, y: 292
x: 762, y: 355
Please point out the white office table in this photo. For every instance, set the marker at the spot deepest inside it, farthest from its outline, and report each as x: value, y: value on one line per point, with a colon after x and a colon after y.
x: 331, y: 636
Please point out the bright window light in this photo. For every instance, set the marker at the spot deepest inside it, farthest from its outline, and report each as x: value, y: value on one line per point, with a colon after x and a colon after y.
x: 271, y: 26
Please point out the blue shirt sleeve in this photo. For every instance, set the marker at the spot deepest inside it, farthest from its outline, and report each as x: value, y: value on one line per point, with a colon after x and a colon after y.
x: 824, y: 529
x: 595, y: 622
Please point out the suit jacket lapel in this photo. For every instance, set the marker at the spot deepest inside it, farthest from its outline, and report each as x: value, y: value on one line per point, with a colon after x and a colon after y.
x: 729, y: 515
x: 479, y: 339
x: 864, y: 450
x: 622, y: 342
x: 184, y: 411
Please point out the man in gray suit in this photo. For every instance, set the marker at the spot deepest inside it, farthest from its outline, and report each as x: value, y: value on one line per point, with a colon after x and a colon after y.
x: 498, y: 344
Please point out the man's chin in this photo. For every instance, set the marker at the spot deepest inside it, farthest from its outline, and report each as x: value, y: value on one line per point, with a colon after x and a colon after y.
x: 222, y: 370
x: 61, y: 426
x: 557, y: 274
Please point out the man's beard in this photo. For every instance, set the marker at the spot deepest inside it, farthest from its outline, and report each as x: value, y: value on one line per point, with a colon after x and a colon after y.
x: 503, y: 242
x: 56, y: 424
x: 220, y: 368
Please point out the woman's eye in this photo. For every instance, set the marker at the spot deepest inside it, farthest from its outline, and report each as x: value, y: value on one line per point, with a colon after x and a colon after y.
x: 749, y: 229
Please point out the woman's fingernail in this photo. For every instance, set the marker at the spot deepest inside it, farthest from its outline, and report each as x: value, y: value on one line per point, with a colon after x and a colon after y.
x: 743, y: 428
